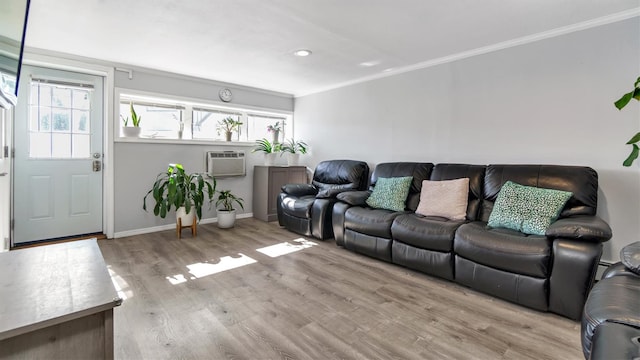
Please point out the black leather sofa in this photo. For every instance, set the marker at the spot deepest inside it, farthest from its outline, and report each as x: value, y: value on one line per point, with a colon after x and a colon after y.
x: 552, y: 272
x: 611, y: 318
x: 306, y: 208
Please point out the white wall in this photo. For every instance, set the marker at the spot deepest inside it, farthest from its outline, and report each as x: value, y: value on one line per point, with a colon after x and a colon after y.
x: 545, y: 102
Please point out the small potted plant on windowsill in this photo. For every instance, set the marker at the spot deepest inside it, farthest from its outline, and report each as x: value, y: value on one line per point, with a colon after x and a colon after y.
x: 134, y: 130
x: 228, y: 126
x: 227, y: 214
x: 270, y: 150
x: 186, y: 192
x: 275, y: 130
x: 293, y: 149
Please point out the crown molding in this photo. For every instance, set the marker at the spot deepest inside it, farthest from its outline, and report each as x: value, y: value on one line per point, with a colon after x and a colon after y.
x: 609, y: 19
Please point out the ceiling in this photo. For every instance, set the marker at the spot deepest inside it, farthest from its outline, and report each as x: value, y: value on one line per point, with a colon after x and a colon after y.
x: 250, y: 42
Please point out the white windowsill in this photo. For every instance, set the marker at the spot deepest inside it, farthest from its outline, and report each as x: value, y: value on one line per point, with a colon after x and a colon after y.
x: 143, y: 140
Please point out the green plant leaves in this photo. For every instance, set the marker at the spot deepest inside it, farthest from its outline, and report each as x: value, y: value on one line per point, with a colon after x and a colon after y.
x: 134, y: 116
x: 226, y: 199
x: 177, y: 188
x: 633, y: 156
x: 621, y: 103
x: 264, y: 145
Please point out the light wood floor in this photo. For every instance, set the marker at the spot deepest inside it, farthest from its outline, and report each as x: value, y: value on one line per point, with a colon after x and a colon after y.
x: 321, y: 302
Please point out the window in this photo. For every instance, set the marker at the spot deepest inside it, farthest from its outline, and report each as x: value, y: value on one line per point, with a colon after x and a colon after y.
x: 157, y: 120
x: 59, y: 120
x: 259, y: 125
x: 164, y: 118
x: 205, y: 124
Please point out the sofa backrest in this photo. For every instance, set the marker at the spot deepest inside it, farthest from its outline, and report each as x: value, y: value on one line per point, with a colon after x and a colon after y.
x: 580, y: 180
x: 341, y: 175
x: 475, y: 173
x: 419, y: 171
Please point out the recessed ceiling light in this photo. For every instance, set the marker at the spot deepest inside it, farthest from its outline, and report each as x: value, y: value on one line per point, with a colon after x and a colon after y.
x: 302, y: 52
x: 370, y: 63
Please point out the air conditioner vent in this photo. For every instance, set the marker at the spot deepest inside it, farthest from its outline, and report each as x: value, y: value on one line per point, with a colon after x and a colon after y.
x: 225, y: 163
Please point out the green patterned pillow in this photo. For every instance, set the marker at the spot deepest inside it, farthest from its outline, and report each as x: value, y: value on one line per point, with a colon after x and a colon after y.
x: 527, y: 209
x: 390, y: 193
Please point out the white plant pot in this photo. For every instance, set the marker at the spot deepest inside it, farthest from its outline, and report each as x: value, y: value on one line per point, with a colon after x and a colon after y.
x: 293, y: 159
x: 186, y: 219
x: 131, y: 131
x: 269, y: 159
x: 226, y: 219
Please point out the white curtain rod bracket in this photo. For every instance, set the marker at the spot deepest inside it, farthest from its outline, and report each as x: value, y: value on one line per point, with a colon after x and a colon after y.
x: 128, y: 71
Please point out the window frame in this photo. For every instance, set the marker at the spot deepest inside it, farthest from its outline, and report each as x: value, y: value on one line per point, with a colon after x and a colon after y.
x: 189, y: 105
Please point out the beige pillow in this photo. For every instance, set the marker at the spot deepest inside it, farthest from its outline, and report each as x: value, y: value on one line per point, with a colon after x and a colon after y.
x: 446, y: 198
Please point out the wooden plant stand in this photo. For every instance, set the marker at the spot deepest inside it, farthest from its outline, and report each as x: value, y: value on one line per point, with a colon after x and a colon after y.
x: 179, y: 227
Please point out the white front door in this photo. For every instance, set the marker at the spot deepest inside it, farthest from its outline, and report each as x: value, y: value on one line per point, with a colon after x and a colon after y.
x: 58, y: 155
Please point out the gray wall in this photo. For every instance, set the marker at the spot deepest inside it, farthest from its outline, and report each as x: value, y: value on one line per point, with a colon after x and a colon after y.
x: 137, y: 164
x: 545, y: 102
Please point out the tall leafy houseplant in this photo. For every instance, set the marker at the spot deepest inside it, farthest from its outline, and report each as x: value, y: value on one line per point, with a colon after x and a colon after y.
x: 621, y: 103
x: 176, y: 188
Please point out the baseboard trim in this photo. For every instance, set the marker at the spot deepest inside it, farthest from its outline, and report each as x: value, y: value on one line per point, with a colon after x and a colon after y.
x: 125, y: 233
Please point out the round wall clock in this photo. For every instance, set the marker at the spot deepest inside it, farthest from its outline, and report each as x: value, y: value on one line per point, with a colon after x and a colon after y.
x: 225, y: 95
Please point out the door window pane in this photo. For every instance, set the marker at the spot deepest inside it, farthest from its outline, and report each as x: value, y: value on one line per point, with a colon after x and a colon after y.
x: 40, y: 145
x: 61, y: 120
x: 81, y: 121
x: 81, y: 146
x: 61, y: 97
x: 59, y: 123
x: 60, y: 146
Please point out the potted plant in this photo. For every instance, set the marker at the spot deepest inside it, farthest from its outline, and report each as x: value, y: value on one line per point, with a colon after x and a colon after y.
x: 621, y: 103
x: 275, y: 129
x: 186, y: 192
x: 227, y: 214
x: 228, y: 126
x: 270, y: 150
x: 134, y: 130
x: 294, y: 149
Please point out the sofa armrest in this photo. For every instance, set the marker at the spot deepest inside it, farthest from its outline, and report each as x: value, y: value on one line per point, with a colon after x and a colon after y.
x: 299, y: 189
x: 329, y: 193
x: 582, y: 227
x: 354, y: 198
x: 618, y: 269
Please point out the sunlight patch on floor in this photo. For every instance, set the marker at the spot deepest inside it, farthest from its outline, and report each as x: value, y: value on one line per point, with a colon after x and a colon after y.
x: 202, y: 269
x: 286, y: 247
x: 122, y: 287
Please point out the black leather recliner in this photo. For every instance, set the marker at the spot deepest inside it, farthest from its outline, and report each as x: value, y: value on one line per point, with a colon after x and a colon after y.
x: 306, y: 208
x: 611, y: 317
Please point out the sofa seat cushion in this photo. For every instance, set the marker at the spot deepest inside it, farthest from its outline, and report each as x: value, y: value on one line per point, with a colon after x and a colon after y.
x: 431, y: 233
x: 298, y: 207
x: 615, y: 300
x: 374, y: 222
x: 504, y: 249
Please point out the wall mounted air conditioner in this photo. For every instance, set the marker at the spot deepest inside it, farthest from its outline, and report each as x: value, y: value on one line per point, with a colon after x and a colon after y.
x: 225, y: 163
